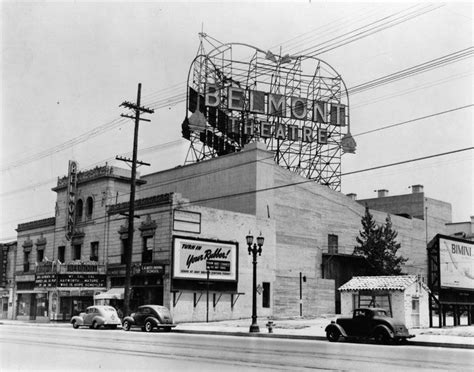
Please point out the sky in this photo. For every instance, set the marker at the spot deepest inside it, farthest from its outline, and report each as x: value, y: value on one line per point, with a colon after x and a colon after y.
x: 67, y: 66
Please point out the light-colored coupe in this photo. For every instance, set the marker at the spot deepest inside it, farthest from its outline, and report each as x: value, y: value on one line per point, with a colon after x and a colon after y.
x: 96, y: 317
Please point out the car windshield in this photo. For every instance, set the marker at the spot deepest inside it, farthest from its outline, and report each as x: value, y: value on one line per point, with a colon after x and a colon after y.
x: 380, y: 312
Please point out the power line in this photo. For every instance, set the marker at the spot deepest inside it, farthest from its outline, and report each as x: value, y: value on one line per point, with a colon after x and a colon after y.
x: 414, y: 70
x: 413, y: 120
x: 407, y: 161
x: 198, y: 201
x: 172, y: 101
x: 162, y: 146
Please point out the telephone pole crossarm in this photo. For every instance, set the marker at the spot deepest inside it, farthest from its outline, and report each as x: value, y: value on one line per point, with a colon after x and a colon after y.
x: 137, y: 107
x: 133, y: 117
x: 131, y: 160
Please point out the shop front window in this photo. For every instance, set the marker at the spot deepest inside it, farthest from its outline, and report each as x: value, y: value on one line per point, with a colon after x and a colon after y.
x: 41, y: 304
x: 24, y: 304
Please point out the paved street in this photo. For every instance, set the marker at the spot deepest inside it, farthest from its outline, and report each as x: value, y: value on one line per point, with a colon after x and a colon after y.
x: 53, y: 349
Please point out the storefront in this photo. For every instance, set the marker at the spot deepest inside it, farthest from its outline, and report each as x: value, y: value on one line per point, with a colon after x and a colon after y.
x: 58, y: 291
x: 146, y: 286
x: 32, y: 305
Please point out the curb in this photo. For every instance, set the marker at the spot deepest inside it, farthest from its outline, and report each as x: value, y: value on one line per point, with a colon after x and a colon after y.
x: 259, y: 335
x: 318, y: 338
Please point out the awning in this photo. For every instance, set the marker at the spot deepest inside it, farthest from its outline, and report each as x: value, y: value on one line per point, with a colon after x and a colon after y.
x: 111, y: 294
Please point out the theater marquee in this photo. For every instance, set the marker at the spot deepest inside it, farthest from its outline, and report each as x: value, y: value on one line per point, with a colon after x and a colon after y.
x: 192, y: 258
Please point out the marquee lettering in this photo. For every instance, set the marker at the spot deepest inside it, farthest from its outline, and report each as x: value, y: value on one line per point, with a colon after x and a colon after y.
x: 277, y: 105
x: 461, y: 249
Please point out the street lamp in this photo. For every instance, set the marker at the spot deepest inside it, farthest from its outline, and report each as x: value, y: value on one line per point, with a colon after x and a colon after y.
x: 253, y: 250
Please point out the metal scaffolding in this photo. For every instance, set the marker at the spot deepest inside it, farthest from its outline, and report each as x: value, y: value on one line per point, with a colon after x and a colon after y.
x: 252, y: 69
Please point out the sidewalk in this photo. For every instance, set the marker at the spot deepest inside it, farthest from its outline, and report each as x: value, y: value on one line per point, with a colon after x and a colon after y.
x: 308, y: 329
x: 459, y: 337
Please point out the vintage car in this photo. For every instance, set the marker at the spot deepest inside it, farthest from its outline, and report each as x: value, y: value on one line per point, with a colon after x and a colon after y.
x: 96, y: 317
x: 148, y: 317
x: 368, y: 323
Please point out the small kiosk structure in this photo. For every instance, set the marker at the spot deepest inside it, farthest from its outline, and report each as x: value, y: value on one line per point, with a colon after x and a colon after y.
x: 405, y: 297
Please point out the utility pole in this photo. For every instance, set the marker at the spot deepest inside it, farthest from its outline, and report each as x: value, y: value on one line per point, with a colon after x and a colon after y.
x: 131, y: 208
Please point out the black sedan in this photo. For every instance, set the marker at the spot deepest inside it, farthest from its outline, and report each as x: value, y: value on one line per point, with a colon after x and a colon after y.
x: 368, y: 323
x: 149, y: 317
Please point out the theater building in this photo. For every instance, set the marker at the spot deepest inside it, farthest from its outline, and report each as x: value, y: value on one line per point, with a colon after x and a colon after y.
x: 189, y: 250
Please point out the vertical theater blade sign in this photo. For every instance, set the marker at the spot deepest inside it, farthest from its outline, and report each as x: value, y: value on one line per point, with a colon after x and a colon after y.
x: 71, y: 198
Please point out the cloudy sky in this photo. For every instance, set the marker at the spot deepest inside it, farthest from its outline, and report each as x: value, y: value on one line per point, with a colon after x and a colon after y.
x: 66, y: 67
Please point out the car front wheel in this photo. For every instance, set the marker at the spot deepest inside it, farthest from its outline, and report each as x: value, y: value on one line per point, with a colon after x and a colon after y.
x: 75, y: 325
x: 126, y: 326
x: 148, y: 326
x: 333, y: 335
x: 381, y: 337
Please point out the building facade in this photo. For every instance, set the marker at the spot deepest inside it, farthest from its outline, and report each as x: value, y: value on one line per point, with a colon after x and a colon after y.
x: 189, y: 247
x: 463, y: 230
x: 7, y: 279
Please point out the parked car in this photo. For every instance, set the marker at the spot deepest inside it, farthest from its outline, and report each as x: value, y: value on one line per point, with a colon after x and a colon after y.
x: 370, y: 323
x: 96, y: 317
x: 148, y: 317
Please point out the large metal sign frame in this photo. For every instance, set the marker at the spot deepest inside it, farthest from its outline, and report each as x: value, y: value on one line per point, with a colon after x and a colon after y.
x: 301, y: 80
x: 442, y: 297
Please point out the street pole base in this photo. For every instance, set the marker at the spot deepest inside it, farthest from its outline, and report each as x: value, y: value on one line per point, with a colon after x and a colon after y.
x: 254, y: 328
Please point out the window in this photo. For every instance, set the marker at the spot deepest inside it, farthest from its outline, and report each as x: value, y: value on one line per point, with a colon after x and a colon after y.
x: 332, y: 244
x: 89, y: 207
x: 76, y: 251
x: 124, y: 250
x: 79, y: 208
x: 61, y: 253
x: 147, y: 253
x: 39, y: 255
x: 94, y: 251
x: 26, y: 261
x: 266, y: 294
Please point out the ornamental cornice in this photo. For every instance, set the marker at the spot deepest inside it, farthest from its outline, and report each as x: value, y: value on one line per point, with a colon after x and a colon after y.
x: 36, y: 224
x: 142, y: 203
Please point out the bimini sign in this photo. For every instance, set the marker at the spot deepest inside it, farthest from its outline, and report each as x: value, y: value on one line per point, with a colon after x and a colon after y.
x: 297, y: 105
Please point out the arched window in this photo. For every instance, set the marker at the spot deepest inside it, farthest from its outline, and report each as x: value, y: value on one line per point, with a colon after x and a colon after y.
x: 79, y: 208
x: 89, y: 207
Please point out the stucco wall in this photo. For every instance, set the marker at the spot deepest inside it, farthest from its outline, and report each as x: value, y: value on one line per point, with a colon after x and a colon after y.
x: 401, y: 305
x: 229, y: 226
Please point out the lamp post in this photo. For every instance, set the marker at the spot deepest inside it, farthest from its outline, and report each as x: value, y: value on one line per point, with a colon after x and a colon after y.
x: 254, y: 248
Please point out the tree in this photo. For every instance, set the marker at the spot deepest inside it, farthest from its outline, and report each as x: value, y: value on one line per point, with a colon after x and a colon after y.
x: 378, y: 245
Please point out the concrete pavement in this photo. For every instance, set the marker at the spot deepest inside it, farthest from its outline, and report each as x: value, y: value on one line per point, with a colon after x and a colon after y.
x: 301, y: 328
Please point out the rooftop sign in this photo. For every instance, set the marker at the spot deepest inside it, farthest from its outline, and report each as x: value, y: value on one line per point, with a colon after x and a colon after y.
x: 297, y: 105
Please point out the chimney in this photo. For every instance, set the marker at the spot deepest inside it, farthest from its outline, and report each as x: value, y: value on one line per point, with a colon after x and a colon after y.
x: 382, y: 193
x: 416, y: 189
x: 352, y: 196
